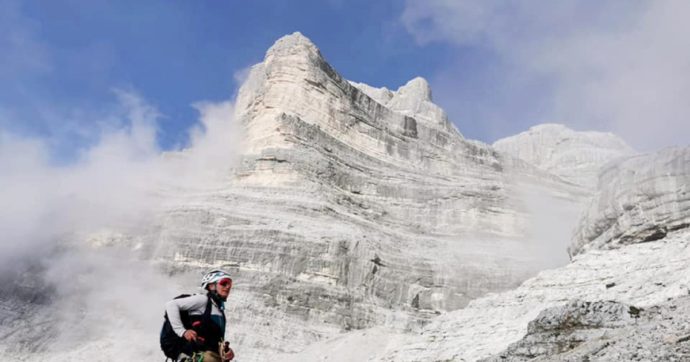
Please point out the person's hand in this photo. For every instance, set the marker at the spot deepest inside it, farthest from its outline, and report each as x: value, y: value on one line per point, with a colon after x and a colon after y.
x: 228, y: 354
x: 190, y: 335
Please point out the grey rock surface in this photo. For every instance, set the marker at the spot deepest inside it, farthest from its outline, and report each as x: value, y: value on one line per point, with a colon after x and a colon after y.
x: 606, y: 331
x: 621, y: 303
x: 639, y: 199
x: 22, y: 301
x: 564, y: 312
x: 574, y: 156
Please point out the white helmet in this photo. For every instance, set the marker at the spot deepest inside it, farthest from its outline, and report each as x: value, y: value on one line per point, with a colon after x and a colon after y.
x: 212, y: 277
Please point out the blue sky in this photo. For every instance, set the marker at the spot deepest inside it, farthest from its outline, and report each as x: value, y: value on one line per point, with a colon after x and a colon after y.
x: 176, y: 53
x: 497, y: 67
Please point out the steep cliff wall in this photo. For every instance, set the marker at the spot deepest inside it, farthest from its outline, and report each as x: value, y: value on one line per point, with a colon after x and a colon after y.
x: 616, y: 301
x: 640, y: 199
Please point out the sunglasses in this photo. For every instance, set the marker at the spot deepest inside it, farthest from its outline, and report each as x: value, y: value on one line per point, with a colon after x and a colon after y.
x: 225, y: 282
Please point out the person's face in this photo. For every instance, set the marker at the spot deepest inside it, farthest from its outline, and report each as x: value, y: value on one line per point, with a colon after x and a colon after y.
x: 222, y: 287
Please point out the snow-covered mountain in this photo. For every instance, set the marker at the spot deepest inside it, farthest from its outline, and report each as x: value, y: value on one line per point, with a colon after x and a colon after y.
x: 575, y: 156
x: 361, y: 225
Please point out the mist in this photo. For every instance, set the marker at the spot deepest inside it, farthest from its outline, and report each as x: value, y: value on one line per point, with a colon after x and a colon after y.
x: 73, y: 234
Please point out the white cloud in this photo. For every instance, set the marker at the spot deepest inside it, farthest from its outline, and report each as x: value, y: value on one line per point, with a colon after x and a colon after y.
x: 107, y: 187
x: 53, y: 214
x: 241, y: 75
x: 112, y: 183
x: 619, y: 66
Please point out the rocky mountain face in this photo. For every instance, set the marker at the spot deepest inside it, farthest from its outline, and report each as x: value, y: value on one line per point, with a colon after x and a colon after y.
x: 354, y: 207
x: 625, y: 303
x: 640, y: 199
x: 607, y: 331
x: 574, y: 156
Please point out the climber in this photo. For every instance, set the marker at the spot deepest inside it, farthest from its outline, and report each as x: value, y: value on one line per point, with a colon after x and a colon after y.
x: 194, y: 326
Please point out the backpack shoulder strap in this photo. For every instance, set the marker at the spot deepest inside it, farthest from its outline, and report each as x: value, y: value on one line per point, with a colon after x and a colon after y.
x: 207, y: 311
x: 209, y: 308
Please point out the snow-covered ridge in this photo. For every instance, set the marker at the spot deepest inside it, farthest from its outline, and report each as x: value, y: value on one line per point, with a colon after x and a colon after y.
x: 572, y: 155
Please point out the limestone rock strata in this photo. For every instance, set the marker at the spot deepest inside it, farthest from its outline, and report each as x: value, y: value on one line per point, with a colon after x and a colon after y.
x: 640, y: 199
x: 412, y: 99
x: 598, y: 295
x: 609, y: 303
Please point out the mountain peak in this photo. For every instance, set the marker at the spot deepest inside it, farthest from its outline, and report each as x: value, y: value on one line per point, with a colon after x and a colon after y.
x: 292, y: 44
x: 417, y: 88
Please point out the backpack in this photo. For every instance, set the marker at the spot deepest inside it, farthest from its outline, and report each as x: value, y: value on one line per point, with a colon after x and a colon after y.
x: 172, y: 344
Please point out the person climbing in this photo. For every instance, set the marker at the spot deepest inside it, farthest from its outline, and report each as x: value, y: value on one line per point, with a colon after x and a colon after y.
x: 194, y: 327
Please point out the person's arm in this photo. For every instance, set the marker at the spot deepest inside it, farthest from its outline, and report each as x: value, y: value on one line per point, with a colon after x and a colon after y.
x: 174, y: 307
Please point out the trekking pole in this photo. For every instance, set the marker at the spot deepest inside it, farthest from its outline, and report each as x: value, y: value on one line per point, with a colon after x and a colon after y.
x: 226, y: 353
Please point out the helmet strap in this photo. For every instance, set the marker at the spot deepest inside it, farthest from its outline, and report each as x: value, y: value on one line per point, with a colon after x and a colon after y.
x: 220, y: 301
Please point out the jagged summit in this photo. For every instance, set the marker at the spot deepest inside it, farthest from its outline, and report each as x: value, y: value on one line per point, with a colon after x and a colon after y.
x: 291, y: 40
x: 412, y: 99
x: 295, y: 62
x: 293, y: 44
x: 417, y: 88
x: 295, y: 80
